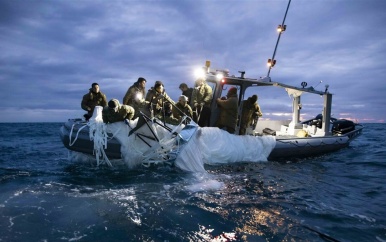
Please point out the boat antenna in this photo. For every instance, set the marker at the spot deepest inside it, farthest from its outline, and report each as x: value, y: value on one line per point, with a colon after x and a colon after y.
x: 318, y: 83
x: 281, y: 28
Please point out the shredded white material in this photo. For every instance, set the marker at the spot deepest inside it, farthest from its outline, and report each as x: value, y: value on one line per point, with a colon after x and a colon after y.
x: 98, y: 134
x: 215, y: 146
x: 142, y: 147
x: 206, y: 146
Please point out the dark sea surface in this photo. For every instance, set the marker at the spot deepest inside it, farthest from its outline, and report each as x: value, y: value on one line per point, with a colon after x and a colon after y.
x: 47, y: 197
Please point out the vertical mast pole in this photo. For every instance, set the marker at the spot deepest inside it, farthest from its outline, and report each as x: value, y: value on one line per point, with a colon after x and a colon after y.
x: 278, y: 39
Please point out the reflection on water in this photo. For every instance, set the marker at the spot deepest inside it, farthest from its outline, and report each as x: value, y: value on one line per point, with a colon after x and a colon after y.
x: 45, y: 197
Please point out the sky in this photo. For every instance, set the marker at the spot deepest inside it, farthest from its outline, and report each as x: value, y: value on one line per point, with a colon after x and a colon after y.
x: 51, y: 51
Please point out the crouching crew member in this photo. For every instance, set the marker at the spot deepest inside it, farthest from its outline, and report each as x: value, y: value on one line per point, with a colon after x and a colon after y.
x: 167, y: 115
x: 182, y: 108
x: 115, y: 112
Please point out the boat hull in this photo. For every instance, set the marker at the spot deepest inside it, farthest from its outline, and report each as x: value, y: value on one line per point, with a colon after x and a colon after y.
x: 311, y: 146
x: 286, y: 147
x: 79, y: 139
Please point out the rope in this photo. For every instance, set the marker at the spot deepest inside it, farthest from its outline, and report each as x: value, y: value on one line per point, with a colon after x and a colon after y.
x: 98, y: 134
x: 77, y: 134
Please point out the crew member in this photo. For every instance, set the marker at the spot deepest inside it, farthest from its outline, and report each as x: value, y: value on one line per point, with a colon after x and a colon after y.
x: 93, y: 98
x: 135, y: 96
x: 202, y: 98
x: 228, y: 111
x: 115, y: 112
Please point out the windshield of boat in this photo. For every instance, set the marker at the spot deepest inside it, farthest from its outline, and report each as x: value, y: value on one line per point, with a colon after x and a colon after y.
x: 276, y: 104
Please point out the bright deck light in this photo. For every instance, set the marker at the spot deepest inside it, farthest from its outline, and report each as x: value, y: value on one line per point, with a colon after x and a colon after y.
x: 219, y: 76
x: 199, y: 73
x: 281, y: 28
x: 271, y: 63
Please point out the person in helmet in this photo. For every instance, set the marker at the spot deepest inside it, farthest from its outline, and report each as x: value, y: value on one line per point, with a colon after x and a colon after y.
x: 115, y: 112
x: 183, y: 107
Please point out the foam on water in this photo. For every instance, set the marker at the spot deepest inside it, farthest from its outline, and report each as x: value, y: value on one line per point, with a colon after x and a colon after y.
x: 205, y: 186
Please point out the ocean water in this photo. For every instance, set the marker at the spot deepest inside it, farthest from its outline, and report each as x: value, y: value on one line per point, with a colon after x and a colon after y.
x: 45, y: 196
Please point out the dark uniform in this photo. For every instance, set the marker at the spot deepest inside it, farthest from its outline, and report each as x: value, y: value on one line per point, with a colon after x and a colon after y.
x: 168, y: 116
x: 187, y: 110
x: 115, y: 112
x: 201, y: 99
x: 228, y: 111
x: 134, y: 97
x: 187, y: 92
x: 246, y: 116
x: 92, y: 99
x: 250, y: 114
x: 154, y: 101
x: 157, y: 99
x: 256, y: 115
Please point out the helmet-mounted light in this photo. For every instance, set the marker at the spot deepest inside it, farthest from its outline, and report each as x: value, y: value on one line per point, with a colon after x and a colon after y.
x: 139, y: 96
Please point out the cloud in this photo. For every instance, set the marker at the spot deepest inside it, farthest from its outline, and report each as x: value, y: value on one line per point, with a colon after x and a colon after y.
x: 51, y: 52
